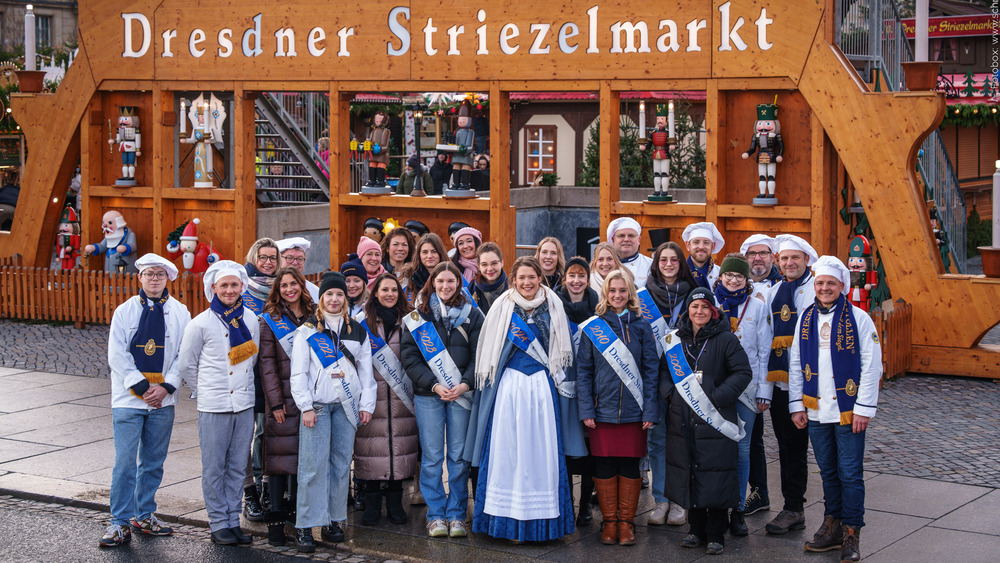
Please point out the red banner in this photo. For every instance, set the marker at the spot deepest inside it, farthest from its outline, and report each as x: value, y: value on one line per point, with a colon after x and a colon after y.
x: 954, y: 26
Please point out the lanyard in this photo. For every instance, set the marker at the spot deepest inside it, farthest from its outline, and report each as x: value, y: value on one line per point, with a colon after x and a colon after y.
x: 690, y: 355
x: 746, y: 305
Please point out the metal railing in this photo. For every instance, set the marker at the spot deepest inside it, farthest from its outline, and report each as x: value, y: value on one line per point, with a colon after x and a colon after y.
x: 307, y: 114
x: 870, y: 34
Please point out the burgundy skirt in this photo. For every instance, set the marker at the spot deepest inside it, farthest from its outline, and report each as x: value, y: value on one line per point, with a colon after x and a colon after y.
x: 618, y: 440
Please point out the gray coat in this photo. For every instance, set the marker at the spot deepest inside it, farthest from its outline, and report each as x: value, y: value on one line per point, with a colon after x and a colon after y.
x: 111, y: 256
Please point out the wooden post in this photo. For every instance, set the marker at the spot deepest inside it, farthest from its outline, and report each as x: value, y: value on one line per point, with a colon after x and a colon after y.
x: 503, y: 217
x: 715, y: 171
x: 244, y: 169
x: 610, y: 138
x: 340, y: 171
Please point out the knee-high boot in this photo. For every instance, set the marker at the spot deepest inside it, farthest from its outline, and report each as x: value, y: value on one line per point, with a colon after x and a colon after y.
x: 607, y: 497
x: 628, y: 500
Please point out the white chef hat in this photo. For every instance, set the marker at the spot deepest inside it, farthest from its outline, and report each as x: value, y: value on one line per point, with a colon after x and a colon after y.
x: 293, y: 242
x: 151, y: 260
x: 623, y: 223
x: 705, y: 230
x: 792, y: 242
x: 754, y: 240
x: 221, y: 269
x: 832, y: 266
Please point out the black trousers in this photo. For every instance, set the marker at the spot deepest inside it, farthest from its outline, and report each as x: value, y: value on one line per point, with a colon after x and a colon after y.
x: 709, y: 524
x: 793, y: 451
x: 758, y: 463
x: 277, y: 486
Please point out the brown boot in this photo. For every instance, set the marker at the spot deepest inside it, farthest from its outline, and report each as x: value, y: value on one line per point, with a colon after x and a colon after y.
x: 607, y: 497
x: 829, y: 536
x: 851, y: 549
x: 628, y: 500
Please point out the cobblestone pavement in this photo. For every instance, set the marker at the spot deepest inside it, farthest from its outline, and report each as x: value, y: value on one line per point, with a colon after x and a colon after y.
x: 941, y: 428
x: 181, y: 531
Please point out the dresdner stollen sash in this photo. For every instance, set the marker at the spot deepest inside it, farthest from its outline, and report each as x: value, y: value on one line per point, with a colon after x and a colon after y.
x: 521, y: 335
x: 284, y: 331
x: 332, y: 359
x: 389, y: 366
x: 436, y: 355
x: 690, y: 390
x: 616, y: 354
x: 650, y: 312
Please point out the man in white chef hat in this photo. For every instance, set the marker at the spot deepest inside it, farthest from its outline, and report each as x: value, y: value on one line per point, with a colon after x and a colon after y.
x: 624, y: 234
x: 702, y: 241
x: 293, y: 255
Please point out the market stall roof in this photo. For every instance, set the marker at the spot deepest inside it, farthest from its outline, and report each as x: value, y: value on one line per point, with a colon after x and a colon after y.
x: 692, y: 95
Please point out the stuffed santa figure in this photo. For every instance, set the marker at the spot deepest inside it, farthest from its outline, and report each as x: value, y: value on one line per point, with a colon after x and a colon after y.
x: 197, y: 256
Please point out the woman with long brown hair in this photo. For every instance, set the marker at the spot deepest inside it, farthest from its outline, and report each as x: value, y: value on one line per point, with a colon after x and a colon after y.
x: 428, y: 253
x: 397, y: 249
x: 288, y: 305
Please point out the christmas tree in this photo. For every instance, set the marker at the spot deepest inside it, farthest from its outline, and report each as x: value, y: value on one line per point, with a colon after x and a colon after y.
x: 970, y: 84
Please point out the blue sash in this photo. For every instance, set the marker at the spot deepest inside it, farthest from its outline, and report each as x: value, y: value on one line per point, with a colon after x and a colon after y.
x: 465, y: 292
x: 650, y: 312
x: 284, y: 331
x: 688, y: 387
x: 436, y: 355
x: 389, y: 367
x: 616, y: 354
x: 576, y: 334
x: 254, y: 304
x: 330, y: 356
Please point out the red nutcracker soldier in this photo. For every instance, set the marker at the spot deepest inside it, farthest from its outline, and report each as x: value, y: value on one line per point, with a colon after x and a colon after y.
x: 663, y: 140
x: 68, y: 239
x: 863, y: 275
x: 197, y: 256
x: 768, y: 145
x: 129, y: 143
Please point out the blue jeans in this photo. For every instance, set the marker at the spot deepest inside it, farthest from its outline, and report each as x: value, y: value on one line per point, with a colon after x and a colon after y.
x: 656, y: 451
x: 325, y: 453
x: 144, y: 434
x: 840, y: 455
x: 438, y: 421
x: 748, y: 416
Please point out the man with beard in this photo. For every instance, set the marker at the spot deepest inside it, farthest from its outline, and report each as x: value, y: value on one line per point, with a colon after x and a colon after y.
x: 624, y: 234
x: 787, y: 301
x: 759, y: 251
x: 702, y: 241
x: 118, y: 246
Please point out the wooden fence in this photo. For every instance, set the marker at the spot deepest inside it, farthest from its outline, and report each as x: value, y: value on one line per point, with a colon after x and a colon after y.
x: 83, y: 296
x: 894, y: 324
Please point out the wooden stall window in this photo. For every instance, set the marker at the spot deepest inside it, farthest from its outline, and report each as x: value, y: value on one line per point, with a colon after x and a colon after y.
x: 540, y: 150
x: 967, y: 156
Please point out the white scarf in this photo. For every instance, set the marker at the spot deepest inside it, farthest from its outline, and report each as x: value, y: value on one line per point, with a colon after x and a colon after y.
x: 596, y: 281
x: 494, y: 333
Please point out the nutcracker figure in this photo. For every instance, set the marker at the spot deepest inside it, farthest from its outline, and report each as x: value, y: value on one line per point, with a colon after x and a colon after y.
x: 767, y: 143
x: 197, y: 256
x: 68, y: 239
x: 118, y: 246
x: 376, y: 149
x: 374, y: 229
x: 864, y: 278
x: 206, y: 117
x: 129, y: 143
x: 663, y: 140
x: 461, y: 160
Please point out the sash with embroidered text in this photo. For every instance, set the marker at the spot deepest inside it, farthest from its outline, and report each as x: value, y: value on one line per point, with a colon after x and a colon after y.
x: 687, y: 385
x: 651, y: 313
x: 436, y: 355
x: 337, y: 367
x: 389, y: 367
x: 616, y: 354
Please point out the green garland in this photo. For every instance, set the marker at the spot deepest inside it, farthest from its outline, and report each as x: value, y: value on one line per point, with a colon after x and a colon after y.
x: 971, y: 115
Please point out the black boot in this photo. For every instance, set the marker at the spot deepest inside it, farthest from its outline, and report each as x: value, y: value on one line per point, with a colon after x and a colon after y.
x: 737, y: 525
x: 359, y: 495
x: 851, y: 548
x: 466, y: 179
x: 373, y: 508
x: 394, y: 506
x: 371, y: 176
x: 275, y: 527
x: 251, y: 504
x: 265, y: 498
x: 381, y: 175
x: 585, y: 516
x: 304, y: 542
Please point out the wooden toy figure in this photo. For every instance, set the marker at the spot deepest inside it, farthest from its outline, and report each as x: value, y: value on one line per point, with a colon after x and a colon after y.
x: 663, y: 139
x: 118, y: 246
x: 197, y: 256
x: 461, y: 159
x: 129, y: 143
x: 863, y: 275
x: 207, y: 117
x: 376, y: 148
x: 68, y: 239
x: 769, y: 147
x: 373, y: 229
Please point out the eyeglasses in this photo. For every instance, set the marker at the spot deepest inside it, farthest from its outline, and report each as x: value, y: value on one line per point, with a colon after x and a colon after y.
x: 262, y: 258
x: 300, y: 260
x: 730, y: 276
x: 154, y: 275
x: 761, y: 254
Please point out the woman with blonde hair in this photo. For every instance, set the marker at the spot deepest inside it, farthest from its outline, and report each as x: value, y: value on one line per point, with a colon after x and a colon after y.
x: 550, y: 255
x: 605, y: 261
x: 617, y: 376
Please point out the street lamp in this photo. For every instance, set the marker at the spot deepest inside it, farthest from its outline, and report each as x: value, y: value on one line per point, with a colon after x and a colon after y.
x: 418, y: 180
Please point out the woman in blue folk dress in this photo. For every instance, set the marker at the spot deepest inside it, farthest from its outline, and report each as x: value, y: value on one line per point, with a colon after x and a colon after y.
x: 517, y: 437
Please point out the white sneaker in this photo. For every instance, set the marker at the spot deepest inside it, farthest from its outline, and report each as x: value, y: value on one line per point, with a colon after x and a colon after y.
x: 659, y: 515
x: 437, y: 528
x: 677, y: 516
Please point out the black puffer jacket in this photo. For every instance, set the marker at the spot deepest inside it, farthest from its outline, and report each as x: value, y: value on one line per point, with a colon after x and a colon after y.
x: 461, y: 345
x: 701, y: 462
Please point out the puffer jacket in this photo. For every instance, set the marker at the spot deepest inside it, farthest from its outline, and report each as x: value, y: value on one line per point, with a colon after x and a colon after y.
x: 281, y: 441
x: 701, y: 462
x: 461, y: 345
x: 602, y: 394
x: 386, y: 448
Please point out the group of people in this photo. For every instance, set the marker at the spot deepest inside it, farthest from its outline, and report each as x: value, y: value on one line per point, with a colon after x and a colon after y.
x: 412, y: 358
